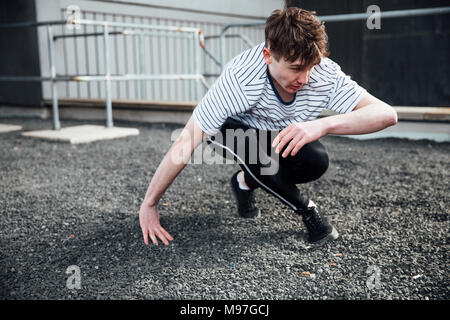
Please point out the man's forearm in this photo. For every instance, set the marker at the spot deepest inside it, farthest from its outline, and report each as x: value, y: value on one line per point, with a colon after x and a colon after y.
x: 371, y: 118
x: 172, y: 164
x: 174, y: 161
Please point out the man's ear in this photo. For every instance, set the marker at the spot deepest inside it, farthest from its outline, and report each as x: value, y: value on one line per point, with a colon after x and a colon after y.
x: 267, y: 55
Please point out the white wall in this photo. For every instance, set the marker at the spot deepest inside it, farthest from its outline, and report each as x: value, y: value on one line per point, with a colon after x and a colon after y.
x: 175, y: 56
x: 199, y: 9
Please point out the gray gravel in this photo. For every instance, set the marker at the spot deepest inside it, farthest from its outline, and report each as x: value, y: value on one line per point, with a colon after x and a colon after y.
x: 388, y: 198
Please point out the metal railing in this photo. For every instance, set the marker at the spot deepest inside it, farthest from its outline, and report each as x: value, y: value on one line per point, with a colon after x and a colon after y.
x: 337, y: 18
x: 208, y: 54
x: 132, y: 29
x: 147, y: 29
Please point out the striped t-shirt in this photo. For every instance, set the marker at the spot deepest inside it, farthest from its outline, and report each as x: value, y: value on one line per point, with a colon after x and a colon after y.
x: 245, y: 92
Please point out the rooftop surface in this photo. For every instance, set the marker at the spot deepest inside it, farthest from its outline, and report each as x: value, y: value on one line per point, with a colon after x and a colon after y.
x: 65, y: 205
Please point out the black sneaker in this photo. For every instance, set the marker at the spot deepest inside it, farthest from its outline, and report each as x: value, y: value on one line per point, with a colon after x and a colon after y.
x: 319, y: 229
x: 245, y: 199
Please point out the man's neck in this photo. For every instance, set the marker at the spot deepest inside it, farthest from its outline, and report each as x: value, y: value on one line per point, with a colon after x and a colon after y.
x: 286, y: 96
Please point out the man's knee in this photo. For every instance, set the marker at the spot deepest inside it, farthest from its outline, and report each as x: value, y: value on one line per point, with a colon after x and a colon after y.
x: 321, y: 164
x: 313, y: 162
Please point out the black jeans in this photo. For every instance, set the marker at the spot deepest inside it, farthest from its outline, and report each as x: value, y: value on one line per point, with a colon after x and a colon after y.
x: 252, y: 149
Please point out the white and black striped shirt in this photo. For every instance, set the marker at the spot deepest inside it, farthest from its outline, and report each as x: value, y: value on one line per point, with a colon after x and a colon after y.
x: 245, y: 92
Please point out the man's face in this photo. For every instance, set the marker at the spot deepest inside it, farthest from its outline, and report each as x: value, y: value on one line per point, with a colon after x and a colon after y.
x: 289, y: 76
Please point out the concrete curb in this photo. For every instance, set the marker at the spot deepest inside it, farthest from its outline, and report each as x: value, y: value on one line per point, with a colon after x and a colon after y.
x: 415, y: 113
x: 82, y: 134
x: 4, y: 128
x: 175, y: 112
x: 404, y: 112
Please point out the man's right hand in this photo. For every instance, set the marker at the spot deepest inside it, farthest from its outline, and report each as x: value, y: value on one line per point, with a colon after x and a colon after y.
x: 149, y: 221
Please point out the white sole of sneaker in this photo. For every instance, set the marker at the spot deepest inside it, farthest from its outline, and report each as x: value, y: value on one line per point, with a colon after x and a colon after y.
x: 333, y: 235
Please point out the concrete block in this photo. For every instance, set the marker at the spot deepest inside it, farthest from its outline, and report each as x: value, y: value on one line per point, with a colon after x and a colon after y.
x: 413, y: 130
x: 423, y: 113
x: 82, y: 134
x: 9, y: 127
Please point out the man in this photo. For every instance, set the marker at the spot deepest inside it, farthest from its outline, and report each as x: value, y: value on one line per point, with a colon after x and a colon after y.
x: 279, y: 86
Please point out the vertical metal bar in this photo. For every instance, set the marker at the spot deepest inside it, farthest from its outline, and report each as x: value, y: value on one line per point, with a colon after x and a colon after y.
x: 154, y: 60
x: 168, y: 83
x: 217, y: 52
x: 135, y: 65
x: 116, y: 57
x: 194, y: 64
x: 125, y: 48
x: 231, y: 46
x: 51, y: 51
x: 160, y: 68
x: 185, y: 61
x: 77, y: 69
x: 152, y: 41
x: 109, y: 120
x: 192, y: 68
x: 198, y: 63
x: 97, y: 62
x: 86, y: 54
x: 205, y: 65
x: 229, y: 51
x: 142, y: 66
x: 222, y: 49
x: 172, y: 56
x: 63, y: 28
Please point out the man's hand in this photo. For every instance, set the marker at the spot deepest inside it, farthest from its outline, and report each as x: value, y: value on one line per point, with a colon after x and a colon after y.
x: 149, y: 221
x: 369, y: 115
x: 299, y: 133
x: 171, y: 165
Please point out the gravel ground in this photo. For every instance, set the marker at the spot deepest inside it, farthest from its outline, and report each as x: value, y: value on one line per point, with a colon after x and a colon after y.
x: 64, y: 205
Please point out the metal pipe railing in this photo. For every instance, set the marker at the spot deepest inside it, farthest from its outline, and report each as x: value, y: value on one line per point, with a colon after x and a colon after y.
x: 338, y: 18
x: 107, y: 77
x: 109, y: 123
x: 51, y: 51
x: 387, y: 14
x: 124, y: 77
x: 245, y: 39
x: 143, y: 26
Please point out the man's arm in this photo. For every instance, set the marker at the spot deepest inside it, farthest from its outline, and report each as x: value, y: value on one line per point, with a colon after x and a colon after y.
x: 369, y: 115
x: 172, y: 164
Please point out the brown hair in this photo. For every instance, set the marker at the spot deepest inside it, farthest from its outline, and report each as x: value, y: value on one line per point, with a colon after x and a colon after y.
x: 296, y: 33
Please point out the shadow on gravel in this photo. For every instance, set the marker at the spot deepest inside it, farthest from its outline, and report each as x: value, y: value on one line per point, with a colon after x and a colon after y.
x: 108, y: 254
